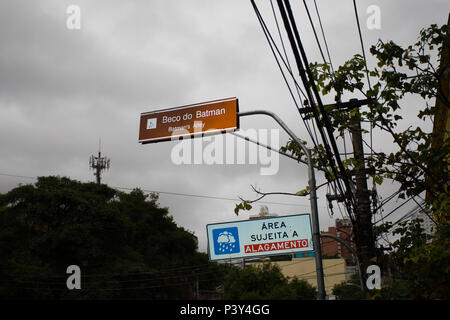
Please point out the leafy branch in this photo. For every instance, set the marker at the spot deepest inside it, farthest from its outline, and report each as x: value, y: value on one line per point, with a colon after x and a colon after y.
x: 246, y: 204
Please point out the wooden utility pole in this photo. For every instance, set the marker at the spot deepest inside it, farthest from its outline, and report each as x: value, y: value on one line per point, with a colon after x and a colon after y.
x: 441, y: 126
x: 363, y: 232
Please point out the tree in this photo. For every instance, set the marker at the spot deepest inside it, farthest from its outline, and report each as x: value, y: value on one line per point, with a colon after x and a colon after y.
x: 265, y: 282
x: 350, y: 290
x: 417, y: 166
x: 126, y: 245
x: 419, y: 267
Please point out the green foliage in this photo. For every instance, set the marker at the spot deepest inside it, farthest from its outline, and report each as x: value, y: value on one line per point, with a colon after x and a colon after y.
x: 125, y: 239
x: 244, y: 205
x: 265, y: 282
x: 416, y: 165
x: 350, y: 290
x: 420, y: 268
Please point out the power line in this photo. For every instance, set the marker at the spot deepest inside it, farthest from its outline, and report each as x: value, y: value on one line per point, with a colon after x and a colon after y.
x: 286, y: 63
x: 270, y: 40
x: 186, y: 278
x: 17, y: 176
x: 59, y: 288
x: 209, y: 197
x: 272, y: 44
x: 168, y: 269
x: 315, y: 33
x: 320, y: 49
x: 91, y: 284
x: 394, y: 210
x: 324, y: 38
x: 308, y: 82
x: 177, y: 193
x: 284, y: 50
x: 362, y: 43
x: 425, y: 211
x: 407, y: 215
x: 305, y: 122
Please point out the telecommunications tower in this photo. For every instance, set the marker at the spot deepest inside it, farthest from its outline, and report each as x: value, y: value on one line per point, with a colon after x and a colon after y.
x: 99, y: 164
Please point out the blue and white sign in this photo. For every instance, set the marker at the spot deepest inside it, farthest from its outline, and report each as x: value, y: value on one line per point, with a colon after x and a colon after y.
x: 259, y: 237
x: 226, y: 241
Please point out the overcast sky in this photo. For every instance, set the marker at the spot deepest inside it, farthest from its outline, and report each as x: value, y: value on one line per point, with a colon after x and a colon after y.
x: 62, y: 89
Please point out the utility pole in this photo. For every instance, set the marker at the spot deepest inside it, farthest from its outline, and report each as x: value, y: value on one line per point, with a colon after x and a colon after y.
x: 99, y: 164
x: 364, y: 239
x: 363, y: 228
x: 441, y: 124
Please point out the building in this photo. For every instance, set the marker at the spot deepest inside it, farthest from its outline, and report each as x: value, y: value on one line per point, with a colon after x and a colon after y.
x: 418, y: 212
x: 263, y: 213
x: 332, y: 248
x: 426, y: 223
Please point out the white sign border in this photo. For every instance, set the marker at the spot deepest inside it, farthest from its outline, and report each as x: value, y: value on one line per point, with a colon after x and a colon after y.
x: 262, y: 253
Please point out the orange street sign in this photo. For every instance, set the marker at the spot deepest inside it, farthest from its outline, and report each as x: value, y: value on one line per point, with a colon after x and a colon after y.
x: 212, y: 117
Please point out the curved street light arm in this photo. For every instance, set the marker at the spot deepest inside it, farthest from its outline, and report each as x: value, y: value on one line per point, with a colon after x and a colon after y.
x: 354, y: 254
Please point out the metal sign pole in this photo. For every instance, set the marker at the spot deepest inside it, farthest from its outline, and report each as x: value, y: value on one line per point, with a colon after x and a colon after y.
x: 313, y: 198
x: 349, y: 247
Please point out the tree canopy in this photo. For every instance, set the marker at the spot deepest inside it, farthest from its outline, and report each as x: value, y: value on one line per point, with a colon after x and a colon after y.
x: 418, y: 165
x: 265, y: 282
x: 126, y: 245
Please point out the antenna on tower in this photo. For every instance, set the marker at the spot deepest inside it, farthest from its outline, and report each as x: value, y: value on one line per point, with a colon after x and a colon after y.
x: 99, y: 163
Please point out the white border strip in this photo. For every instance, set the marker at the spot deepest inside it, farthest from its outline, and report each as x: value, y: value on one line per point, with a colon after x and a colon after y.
x: 188, y: 134
x: 189, y: 106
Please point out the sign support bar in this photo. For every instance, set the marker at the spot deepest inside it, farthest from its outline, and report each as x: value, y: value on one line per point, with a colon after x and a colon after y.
x: 313, y: 197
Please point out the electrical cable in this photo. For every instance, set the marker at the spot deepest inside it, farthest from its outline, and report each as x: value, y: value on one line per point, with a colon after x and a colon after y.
x: 276, y: 59
x: 407, y: 215
x: 271, y: 42
x: 40, y: 284
x: 362, y: 43
x: 284, y: 50
x: 425, y: 211
x: 305, y: 122
x: 315, y: 33
x: 175, y: 193
x: 268, y: 36
x: 324, y: 38
x: 273, y: 45
x: 394, y: 210
x: 309, y: 84
x: 325, y: 119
